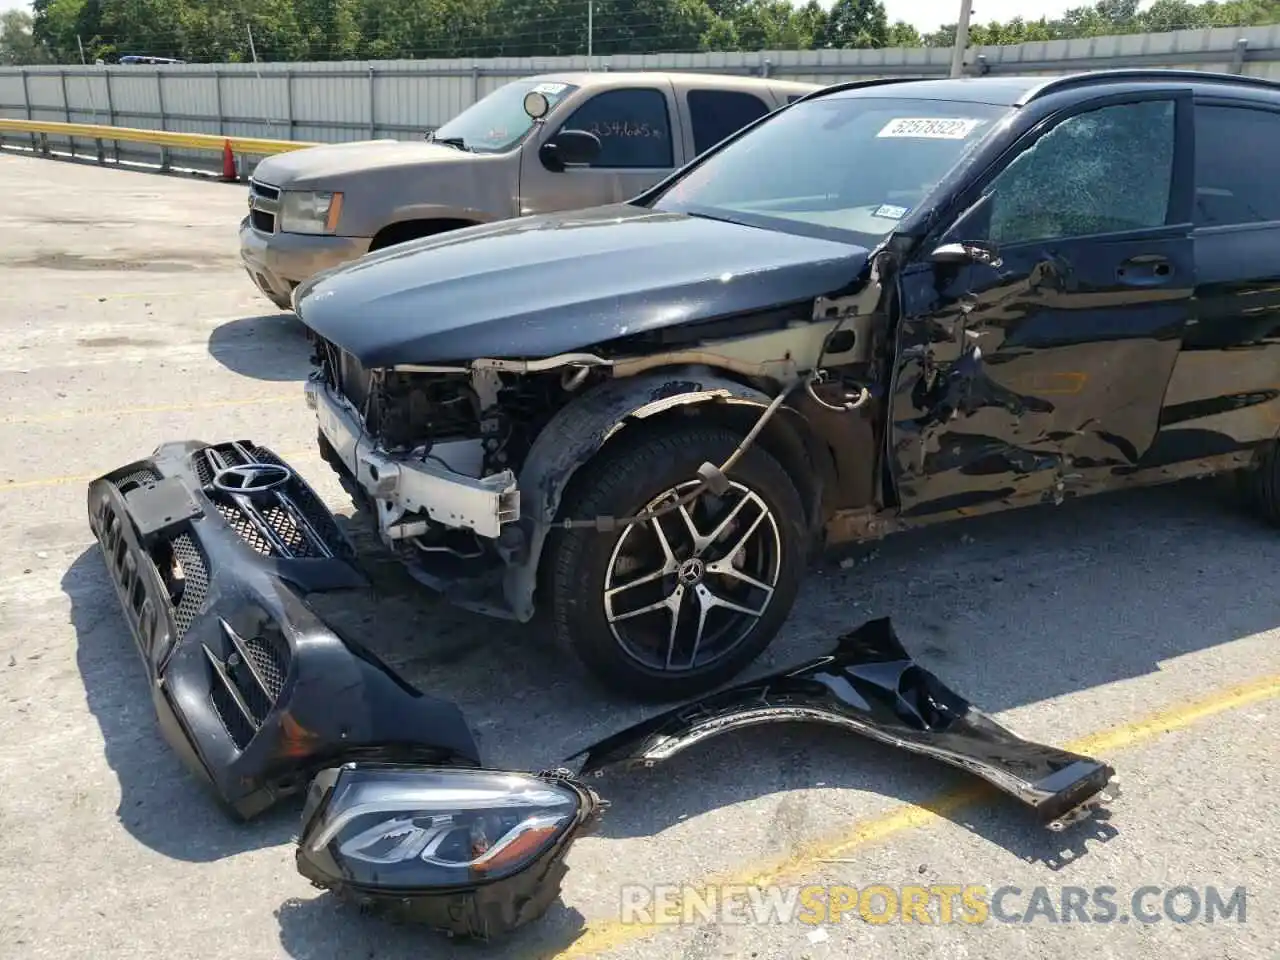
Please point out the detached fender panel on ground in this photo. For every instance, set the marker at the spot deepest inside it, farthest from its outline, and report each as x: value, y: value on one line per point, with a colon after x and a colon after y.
x: 870, y: 686
x: 212, y: 550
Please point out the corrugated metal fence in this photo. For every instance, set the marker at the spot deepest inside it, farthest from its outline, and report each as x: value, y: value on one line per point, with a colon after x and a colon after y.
x: 355, y: 100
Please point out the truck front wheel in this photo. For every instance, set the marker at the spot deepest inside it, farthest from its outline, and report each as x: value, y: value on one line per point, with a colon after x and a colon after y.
x: 405, y: 230
x: 672, y: 607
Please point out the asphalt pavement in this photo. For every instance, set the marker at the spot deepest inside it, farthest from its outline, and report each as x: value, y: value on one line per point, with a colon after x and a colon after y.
x: 1142, y: 628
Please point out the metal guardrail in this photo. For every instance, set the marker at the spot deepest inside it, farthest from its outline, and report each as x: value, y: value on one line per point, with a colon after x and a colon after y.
x: 40, y: 132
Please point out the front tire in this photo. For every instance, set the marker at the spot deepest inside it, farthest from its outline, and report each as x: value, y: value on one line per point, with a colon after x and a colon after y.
x: 674, y: 607
x: 1261, y: 484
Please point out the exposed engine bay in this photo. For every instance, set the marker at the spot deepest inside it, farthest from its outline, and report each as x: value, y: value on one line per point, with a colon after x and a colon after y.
x: 479, y: 422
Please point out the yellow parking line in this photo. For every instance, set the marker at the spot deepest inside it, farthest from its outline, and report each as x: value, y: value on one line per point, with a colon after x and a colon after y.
x: 610, y: 935
x: 152, y: 408
x: 86, y: 477
x: 48, y: 482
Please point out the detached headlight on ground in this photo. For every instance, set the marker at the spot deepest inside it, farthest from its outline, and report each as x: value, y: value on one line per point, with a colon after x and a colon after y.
x: 309, y: 211
x: 474, y: 852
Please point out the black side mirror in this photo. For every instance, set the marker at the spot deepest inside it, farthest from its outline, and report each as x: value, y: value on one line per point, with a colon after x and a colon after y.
x: 973, y: 222
x: 973, y: 251
x: 569, y: 148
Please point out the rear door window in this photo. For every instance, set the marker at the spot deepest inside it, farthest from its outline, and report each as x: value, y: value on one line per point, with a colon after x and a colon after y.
x: 716, y: 114
x: 1236, y: 149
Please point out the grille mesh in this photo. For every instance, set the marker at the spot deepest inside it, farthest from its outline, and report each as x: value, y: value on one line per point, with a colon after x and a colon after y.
x: 195, y: 582
x: 254, y: 698
x: 281, y: 520
x: 136, y: 479
x: 257, y: 684
x: 270, y: 656
x: 245, y: 530
x: 233, y: 721
x: 313, y: 510
x: 203, y: 471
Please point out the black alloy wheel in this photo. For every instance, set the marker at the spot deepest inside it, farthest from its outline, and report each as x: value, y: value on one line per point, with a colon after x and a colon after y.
x: 673, y: 606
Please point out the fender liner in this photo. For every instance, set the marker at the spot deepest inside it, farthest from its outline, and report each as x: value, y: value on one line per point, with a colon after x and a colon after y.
x: 580, y: 430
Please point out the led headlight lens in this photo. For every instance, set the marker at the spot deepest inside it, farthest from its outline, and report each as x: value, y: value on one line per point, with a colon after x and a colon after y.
x: 389, y: 828
x: 309, y: 211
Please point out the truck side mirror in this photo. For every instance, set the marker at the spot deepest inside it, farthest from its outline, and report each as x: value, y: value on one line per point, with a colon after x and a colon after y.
x: 569, y: 148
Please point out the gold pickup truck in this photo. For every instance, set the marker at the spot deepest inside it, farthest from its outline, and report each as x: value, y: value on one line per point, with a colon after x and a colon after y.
x: 505, y: 156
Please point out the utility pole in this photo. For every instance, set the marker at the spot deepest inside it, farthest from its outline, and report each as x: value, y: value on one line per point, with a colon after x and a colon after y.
x: 962, y: 38
x: 591, y: 13
x: 253, y: 51
x: 81, y: 46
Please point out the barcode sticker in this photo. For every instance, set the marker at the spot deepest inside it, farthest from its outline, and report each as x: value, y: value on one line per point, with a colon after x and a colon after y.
x: 930, y: 128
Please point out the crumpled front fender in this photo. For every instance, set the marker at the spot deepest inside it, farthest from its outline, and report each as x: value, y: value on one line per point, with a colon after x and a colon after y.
x: 869, y: 685
x: 581, y: 429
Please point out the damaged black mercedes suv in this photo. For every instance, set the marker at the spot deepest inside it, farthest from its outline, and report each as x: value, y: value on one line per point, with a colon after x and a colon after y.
x: 886, y: 304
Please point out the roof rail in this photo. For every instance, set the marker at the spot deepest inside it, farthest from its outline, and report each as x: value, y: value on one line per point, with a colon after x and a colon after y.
x: 1054, y: 84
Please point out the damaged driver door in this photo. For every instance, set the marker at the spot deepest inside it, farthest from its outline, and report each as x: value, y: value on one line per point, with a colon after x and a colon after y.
x: 1038, y: 332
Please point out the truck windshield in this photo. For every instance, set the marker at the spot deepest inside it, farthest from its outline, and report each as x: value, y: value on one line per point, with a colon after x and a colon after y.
x: 498, y: 122
x: 849, y: 167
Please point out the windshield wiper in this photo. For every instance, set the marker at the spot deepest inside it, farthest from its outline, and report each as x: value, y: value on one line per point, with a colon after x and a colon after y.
x: 457, y: 142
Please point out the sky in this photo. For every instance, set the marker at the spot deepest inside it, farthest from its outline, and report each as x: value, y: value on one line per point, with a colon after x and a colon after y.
x: 924, y: 15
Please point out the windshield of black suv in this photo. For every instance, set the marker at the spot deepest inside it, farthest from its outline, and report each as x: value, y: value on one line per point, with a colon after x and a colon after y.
x: 849, y: 167
x: 498, y: 122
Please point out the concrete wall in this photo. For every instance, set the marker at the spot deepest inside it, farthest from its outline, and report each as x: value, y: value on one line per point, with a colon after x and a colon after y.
x: 355, y: 100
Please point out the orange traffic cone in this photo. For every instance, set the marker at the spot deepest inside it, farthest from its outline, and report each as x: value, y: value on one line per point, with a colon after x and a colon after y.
x: 229, y: 172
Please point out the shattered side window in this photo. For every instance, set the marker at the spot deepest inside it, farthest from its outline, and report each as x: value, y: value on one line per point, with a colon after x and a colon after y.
x: 1102, y: 171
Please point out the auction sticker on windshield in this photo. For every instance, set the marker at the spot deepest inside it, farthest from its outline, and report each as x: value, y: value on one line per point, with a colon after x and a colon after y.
x: 930, y: 128
x: 889, y: 211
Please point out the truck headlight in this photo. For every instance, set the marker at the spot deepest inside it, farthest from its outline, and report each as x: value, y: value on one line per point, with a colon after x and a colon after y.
x: 309, y: 211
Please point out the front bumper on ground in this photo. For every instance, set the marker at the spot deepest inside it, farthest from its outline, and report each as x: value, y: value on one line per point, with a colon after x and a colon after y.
x: 278, y: 262
x: 212, y: 550
x: 405, y: 485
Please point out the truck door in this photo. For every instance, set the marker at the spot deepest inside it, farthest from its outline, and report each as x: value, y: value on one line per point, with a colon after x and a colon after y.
x: 1043, y: 373
x: 716, y: 114
x: 640, y: 145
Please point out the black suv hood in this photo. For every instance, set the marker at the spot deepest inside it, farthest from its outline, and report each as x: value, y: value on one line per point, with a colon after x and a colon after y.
x: 539, y: 286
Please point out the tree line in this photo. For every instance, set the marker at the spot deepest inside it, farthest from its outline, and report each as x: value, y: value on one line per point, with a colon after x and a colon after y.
x: 74, y: 31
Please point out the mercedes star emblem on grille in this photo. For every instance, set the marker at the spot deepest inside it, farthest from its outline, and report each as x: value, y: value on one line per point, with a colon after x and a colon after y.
x: 251, y: 478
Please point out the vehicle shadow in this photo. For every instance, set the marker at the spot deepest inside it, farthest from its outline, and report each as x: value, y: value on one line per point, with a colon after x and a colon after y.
x: 153, y: 783
x: 269, y: 347
x: 325, y: 928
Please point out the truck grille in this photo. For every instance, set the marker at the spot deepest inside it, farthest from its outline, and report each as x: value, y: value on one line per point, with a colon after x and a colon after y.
x: 264, y: 206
